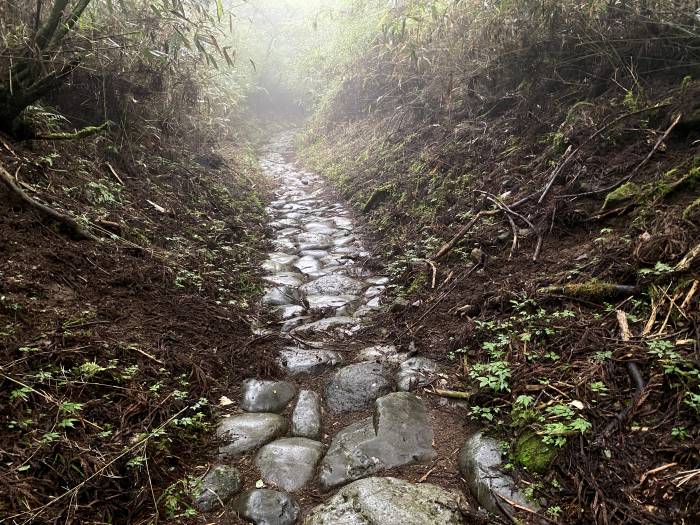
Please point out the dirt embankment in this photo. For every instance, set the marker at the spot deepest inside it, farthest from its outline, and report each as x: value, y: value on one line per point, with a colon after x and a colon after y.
x: 547, y: 251
x: 113, y: 352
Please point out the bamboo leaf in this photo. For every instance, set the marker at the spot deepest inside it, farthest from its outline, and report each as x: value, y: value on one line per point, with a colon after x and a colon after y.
x: 219, y: 9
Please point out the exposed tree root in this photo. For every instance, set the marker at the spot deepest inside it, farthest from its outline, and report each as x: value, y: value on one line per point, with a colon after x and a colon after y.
x: 65, y: 220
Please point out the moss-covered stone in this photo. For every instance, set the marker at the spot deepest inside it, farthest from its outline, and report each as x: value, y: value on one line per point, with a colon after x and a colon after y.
x: 532, y: 453
x: 624, y: 193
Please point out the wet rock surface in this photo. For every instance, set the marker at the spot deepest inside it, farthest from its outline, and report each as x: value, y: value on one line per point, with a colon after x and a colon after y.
x: 289, y: 463
x: 266, y: 396
x: 306, y: 418
x: 415, y: 372
x: 389, y: 501
x: 308, y: 360
x: 400, y: 433
x: 244, y: 432
x: 266, y: 507
x: 218, y: 486
x: 356, y: 386
x: 480, y: 463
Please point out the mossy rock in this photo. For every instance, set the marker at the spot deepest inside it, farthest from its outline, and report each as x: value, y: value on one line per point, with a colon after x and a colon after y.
x: 532, y: 453
x: 626, y: 192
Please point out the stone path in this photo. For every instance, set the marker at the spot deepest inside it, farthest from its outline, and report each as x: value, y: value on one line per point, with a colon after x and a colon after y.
x: 320, y: 294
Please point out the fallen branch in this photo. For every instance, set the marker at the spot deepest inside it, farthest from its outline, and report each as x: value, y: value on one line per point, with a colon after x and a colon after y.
x: 685, y: 263
x: 453, y: 394
x: 461, y: 233
x: 635, y: 375
x: 67, y: 221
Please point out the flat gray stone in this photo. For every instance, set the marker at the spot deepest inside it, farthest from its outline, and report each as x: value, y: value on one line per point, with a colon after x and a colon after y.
x: 333, y: 285
x: 390, y: 501
x: 308, y: 361
x: 316, y: 254
x: 288, y: 311
x: 218, y: 486
x: 400, y: 433
x: 320, y: 303
x: 307, y: 265
x: 266, y: 507
x: 266, y: 396
x: 328, y: 324
x: 306, y: 418
x: 275, y: 267
x: 280, y: 296
x: 415, y: 372
x: 292, y: 323
x: 291, y: 279
x: 374, y: 291
x: 378, y: 280
x: 244, y: 432
x: 355, y: 387
x: 284, y: 244
x: 382, y: 354
x: 313, y: 241
x: 289, y: 463
x: 479, y: 462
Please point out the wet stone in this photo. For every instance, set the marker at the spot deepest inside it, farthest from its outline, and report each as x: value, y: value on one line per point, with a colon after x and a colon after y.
x: 328, y: 324
x: 378, y: 281
x: 382, y: 354
x: 306, y: 418
x: 284, y: 244
x: 307, y: 264
x: 308, y: 361
x: 287, y: 312
x: 333, y: 285
x: 319, y: 303
x: 282, y: 258
x: 289, y: 463
x: 355, y: 387
x: 390, y: 501
x: 280, y: 296
x: 400, y: 433
x: 415, y: 372
x: 374, y: 291
x: 480, y: 464
x: 218, y: 486
x: 245, y: 432
x: 313, y: 241
x: 316, y: 254
x: 292, y: 323
x: 266, y: 507
x: 266, y: 396
x: 291, y: 279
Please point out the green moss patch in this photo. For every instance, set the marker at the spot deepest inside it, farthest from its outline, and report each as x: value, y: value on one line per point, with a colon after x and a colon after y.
x: 532, y: 453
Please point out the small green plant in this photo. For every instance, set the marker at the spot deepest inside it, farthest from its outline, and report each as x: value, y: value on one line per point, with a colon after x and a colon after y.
x: 679, y: 433
x: 658, y: 269
x: 485, y: 413
x: 493, y: 375
x: 598, y: 387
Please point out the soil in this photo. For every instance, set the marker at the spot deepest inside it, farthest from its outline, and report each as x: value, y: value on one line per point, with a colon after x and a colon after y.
x: 135, y: 328
x: 608, y: 474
